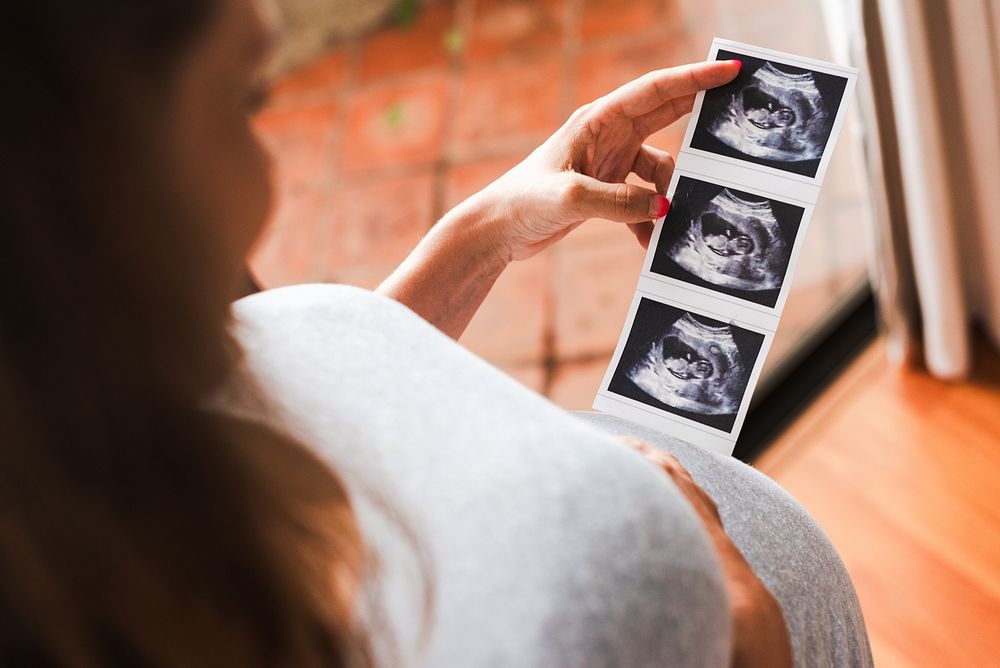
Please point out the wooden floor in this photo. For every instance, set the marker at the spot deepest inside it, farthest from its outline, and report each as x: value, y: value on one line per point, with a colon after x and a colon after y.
x: 903, y: 472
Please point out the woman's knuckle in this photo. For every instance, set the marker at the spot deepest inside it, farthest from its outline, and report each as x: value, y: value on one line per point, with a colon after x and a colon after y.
x: 671, y: 468
x: 572, y: 193
x: 581, y: 111
x: 709, y: 501
x: 622, y: 201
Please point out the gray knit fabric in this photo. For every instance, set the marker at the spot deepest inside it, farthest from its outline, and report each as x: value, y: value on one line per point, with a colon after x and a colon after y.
x: 542, y: 541
x: 785, y: 547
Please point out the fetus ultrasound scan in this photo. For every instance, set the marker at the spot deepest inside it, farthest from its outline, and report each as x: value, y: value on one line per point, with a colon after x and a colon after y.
x: 727, y: 240
x: 772, y: 114
x: 687, y: 364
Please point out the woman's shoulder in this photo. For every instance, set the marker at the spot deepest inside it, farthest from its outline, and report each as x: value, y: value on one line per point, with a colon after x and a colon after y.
x: 324, y: 326
x: 314, y: 303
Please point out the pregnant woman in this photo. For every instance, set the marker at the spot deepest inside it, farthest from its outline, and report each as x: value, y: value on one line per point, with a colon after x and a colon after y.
x: 321, y: 476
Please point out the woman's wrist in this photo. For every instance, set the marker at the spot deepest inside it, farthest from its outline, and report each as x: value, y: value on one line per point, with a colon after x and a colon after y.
x: 450, y: 272
x: 477, y: 225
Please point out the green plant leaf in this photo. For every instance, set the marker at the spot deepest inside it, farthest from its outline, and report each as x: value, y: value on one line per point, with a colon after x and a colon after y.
x: 454, y: 40
x: 394, y: 115
x: 405, y: 12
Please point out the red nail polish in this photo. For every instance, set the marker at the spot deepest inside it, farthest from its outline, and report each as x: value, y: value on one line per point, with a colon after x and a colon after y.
x: 739, y: 63
x: 658, y: 206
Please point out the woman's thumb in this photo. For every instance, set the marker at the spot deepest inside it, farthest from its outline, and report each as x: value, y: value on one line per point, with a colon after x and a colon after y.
x: 619, y: 202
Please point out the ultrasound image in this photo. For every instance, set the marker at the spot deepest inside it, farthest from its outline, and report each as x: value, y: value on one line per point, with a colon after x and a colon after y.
x: 772, y: 114
x: 727, y: 240
x: 686, y: 364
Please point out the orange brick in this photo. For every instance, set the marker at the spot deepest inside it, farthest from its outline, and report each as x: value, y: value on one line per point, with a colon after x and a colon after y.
x: 575, y: 384
x: 303, y: 144
x: 368, y: 277
x: 379, y: 222
x: 510, y: 325
x: 503, y: 28
x: 599, y: 233
x: 399, y: 50
x: 602, y: 69
x: 508, y: 106
x: 593, y: 287
x: 400, y: 124
x: 703, y: 13
x: 319, y: 80
x: 602, y: 19
x: 531, y: 376
x: 285, y: 254
x: 469, y: 178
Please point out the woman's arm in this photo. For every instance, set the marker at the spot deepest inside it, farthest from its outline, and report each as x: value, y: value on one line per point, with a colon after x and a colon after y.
x: 450, y: 272
x: 577, y: 174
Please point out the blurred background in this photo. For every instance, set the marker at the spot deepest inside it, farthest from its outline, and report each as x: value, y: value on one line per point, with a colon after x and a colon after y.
x: 389, y: 112
x: 419, y: 105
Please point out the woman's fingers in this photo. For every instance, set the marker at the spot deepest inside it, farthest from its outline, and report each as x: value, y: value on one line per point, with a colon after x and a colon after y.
x: 653, y: 165
x: 703, y: 504
x: 663, y: 115
x: 635, y: 443
x: 619, y: 202
x: 656, y: 166
x: 760, y: 634
x: 658, y: 88
x: 602, y: 139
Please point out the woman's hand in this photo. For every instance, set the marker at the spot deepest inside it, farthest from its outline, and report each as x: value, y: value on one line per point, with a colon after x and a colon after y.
x: 760, y: 637
x: 579, y: 172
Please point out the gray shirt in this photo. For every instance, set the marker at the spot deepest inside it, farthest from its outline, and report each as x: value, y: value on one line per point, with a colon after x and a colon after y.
x: 544, y: 542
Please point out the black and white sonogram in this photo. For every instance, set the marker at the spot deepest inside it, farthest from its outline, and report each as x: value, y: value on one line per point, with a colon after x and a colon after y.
x: 727, y: 240
x: 687, y: 364
x: 772, y: 114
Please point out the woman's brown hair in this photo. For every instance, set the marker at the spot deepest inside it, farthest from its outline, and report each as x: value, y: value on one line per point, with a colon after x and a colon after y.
x: 136, y: 526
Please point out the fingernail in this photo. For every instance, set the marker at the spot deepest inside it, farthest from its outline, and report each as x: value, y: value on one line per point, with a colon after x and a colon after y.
x: 739, y: 63
x: 658, y: 206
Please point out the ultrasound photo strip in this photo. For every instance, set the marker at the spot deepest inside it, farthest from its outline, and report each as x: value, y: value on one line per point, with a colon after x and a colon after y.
x: 718, y: 268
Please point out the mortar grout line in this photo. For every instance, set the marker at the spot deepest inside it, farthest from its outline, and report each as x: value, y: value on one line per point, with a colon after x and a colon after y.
x: 462, y: 22
x: 570, y: 56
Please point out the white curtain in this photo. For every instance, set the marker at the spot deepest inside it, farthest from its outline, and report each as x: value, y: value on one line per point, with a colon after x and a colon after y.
x: 930, y: 97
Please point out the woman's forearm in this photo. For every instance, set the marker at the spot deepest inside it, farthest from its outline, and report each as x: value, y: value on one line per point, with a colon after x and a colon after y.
x: 450, y: 272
